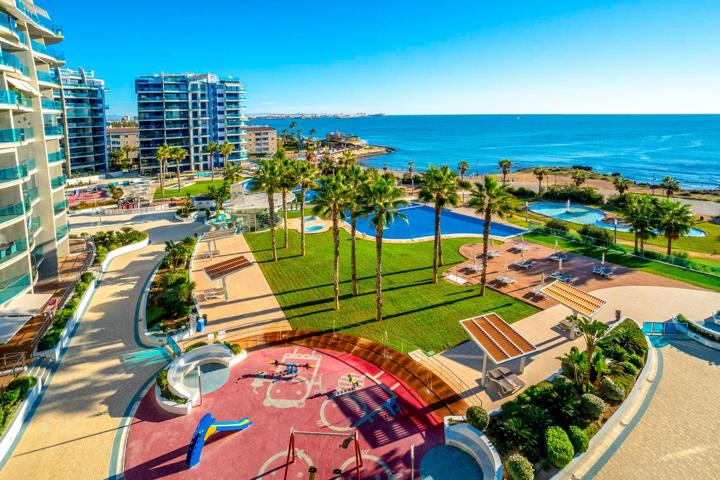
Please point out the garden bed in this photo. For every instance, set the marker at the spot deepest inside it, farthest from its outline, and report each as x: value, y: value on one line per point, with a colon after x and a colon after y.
x: 63, y: 316
x: 110, y: 240
x: 12, y: 397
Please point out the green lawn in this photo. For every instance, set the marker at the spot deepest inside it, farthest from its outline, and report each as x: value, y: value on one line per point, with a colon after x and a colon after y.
x: 677, y: 273
x: 707, y: 244
x: 197, y: 188
x: 414, y: 308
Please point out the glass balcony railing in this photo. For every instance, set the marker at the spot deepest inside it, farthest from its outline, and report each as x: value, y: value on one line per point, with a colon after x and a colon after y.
x: 29, y: 196
x: 53, y: 130
x: 15, y: 135
x: 38, y: 18
x: 33, y: 226
x: 11, y: 212
x: 49, y: 104
x: 60, y: 207
x: 9, y: 174
x: 13, y: 61
x: 55, y: 157
x: 58, y: 182
x: 70, y: 93
x: 48, y: 77
x: 12, y: 287
x: 27, y: 166
x: 12, y: 250
x: 62, y: 232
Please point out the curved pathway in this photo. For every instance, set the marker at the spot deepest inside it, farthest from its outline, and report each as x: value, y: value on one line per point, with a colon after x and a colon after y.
x: 75, y: 425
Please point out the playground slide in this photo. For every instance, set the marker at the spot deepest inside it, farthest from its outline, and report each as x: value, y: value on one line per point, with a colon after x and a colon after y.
x: 205, y: 429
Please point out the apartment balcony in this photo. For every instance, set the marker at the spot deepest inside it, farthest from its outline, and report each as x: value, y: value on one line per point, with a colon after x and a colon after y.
x: 60, y: 207
x: 51, y: 53
x: 79, y: 113
x: 11, y: 212
x: 10, y: 135
x: 54, y: 130
x: 49, y: 104
x: 13, y: 287
x: 58, y: 182
x: 18, y: 172
x: 13, y: 100
x: 13, y: 249
x: 56, y: 157
x: 30, y: 196
x: 62, y: 232
x: 12, y: 61
x: 176, y: 116
x: 48, y: 77
x: 174, y: 97
x: 33, y: 226
x: 70, y: 93
x: 40, y: 20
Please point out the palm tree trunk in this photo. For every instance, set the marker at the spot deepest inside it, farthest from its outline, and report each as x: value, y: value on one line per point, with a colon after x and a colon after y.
x: 378, y: 273
x: 336, y: 254
x: 302, y: 220
x: 539, y: 187
x: 439, y: 240
x: 271, y: 207
x: 462, y: 188
x: 212, y: 170
x: 177, y: 170
x: 486, y: 243
x: 636, y: 243
x: 353, y: 253
x: 435, y: 245
x: 669, y: 246
x: 285, y: 217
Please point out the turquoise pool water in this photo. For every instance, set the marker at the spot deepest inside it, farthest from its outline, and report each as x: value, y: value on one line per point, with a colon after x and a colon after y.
x: 213, y: 375
x: 586, y: 216
x: 220, y: 219
x: 310, y: 218
x: 314, y: 228
x: 449, y: 463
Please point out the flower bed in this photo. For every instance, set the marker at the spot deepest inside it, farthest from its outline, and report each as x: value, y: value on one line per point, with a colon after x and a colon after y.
x: 107, y: 241
x: 63, y: 316
x: 553, y: 421
x: 170, y: 299
x: 12, y: 397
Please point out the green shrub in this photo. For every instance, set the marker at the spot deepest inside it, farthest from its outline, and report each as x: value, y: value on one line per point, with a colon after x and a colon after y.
x: 10, y: 396
x: 24, y: 384
x: 603, y: 235
x: 519, y: 467
x: 177, y: 301
x: 637, y: 361
x: 559, y: 449
x: 629, y: 368
x: 592, y: 429
x: 172, y: 279
x: 195, y: 345
x: 611, y: 391
x: 625, y: 382
x: 477, y: 417
x: 100, y: 254
x: 578, y: 438
x: 615, y: 352
x: 236, y: 349
x: 556, y: 224
x: 162, y: 382
x: 591, y: 406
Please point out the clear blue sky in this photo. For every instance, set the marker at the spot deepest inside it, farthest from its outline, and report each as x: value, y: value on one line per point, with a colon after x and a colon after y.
x: 458, y: 56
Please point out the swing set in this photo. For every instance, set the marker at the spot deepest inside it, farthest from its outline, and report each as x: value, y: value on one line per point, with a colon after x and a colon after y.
x: 347, y: 440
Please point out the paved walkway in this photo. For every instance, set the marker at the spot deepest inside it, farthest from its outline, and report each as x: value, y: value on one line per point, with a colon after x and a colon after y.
x: 75, y: 425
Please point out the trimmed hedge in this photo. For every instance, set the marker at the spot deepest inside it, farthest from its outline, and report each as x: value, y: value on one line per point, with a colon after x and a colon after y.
x: 629, y: 368
x: 611, y: 391
x: 477, y: 417
x: 519, y: 467
x: 236, y: 349
x: 556, y: 224
x: 15, y: 392
x: 195, y: 345
x: 578, y: 438
x: 591, y: 406
x: 560, y: 450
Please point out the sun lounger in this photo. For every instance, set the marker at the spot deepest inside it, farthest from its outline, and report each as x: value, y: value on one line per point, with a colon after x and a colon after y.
x: 604, y: 271
x: 559, y: 256
x: 505, y: 382
x: 456, y: 279
x: 475, y: 268
x: 506, y: 280
x: 511, y: 376
x: 524, y: 264
x: 491, y: 254
x: 564, y: 277
x: 537, y: 291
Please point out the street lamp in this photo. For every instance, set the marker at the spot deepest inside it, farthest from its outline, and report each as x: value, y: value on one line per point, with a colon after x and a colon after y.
x: 527, y: 207
x: 615, y: 221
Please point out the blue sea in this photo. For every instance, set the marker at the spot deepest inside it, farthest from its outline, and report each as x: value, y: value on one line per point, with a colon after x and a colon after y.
x: 641, y: 147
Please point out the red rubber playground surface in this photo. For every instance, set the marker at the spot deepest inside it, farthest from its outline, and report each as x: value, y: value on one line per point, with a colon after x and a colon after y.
x: 157, y: 443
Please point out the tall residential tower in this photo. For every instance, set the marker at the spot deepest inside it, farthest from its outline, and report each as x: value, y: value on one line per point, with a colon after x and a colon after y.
x: 33, y: 220
x: 190, y: 111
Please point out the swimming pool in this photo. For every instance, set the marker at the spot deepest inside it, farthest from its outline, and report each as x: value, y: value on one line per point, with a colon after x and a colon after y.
x: 586, y: 216
x: 445, y: 462
x: 314, y: 228
x: 421, y: 224
x: 213, y: 375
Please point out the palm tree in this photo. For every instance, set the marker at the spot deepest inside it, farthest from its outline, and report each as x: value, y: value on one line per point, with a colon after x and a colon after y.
x: 219, y: 193
x: 505, y: 165
x: 489, y: 199
x: 305, y: 175
x: 621, y: 184
x: 178, y: 154
x: 575, y: 365
x: 226, y: 149
x: 355, y: 177
x: 439, y: 185
x: 292, y: 128
x: 675, y: 219
x: 267, y: 179
x: 312, y: 132
x: 670, y: 186
x: 640, y: 213
x: 331, y: 200
x: 411, y: 167
x: 579, y: 177
x: 212, y: 149
x: 540, y: 173
x: 233, y: 174
x: 127, y: 149
x: 162, y: 154
x: 463, y: 167
x: 347, y: 159
x: 288, y: 181
x: 591, y: 330
x: 383, y: 198
x: 116, y: 159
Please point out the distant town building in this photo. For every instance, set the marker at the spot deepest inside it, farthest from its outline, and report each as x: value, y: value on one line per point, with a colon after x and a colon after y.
x: 189, y: 111
x: 82, y: 97
x: 261, y: 140
x: 343, y: 140
x: 120, y: 136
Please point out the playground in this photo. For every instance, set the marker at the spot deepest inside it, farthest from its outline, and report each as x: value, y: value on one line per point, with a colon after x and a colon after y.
x: 290, y: 412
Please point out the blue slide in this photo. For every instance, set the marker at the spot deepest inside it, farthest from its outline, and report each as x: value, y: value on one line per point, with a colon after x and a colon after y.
x: 207, y: 427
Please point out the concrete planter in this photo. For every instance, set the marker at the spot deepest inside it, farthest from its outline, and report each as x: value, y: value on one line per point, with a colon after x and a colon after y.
x: 13, y: 428
x: 476, y: 444
x: 122, y: 251
x: 170, y: 406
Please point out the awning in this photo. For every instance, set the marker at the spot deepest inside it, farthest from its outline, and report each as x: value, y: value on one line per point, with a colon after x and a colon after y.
x: 217, y: 235
x: 24, y: 86
x: 9, y: 326
x: 497, y: 338
x: 28, y: 304
x: 228, y: 267
x: 574, y: 298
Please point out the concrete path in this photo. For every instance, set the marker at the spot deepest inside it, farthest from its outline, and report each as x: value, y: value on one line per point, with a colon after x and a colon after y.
x: 72, y: 432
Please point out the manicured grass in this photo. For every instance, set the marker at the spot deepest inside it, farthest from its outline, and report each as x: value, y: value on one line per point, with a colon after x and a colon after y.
x: 196, y: 188
x: 669, y: 271
x: 707, y: 244
x: 414, y: 308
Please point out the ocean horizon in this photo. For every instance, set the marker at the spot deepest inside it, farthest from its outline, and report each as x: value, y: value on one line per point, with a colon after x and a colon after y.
x: 642, y: 147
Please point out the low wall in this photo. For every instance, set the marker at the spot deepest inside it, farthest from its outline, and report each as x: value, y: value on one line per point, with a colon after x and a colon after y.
x: 14, y: 427
x: 440, y: 397
x: 122, y: 251
x: 476, y: 444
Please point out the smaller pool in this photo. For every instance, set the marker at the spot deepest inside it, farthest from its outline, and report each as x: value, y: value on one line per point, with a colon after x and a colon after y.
x: 311, y: 218
x: 220, y: 219
x: 445, y: 462
x: 213, y: 375
x: 314, y: 228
